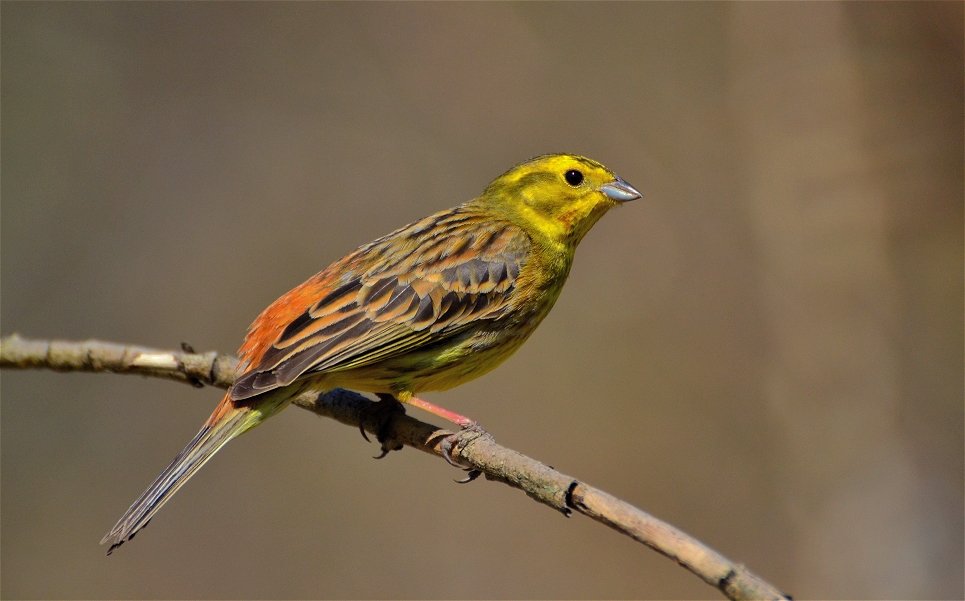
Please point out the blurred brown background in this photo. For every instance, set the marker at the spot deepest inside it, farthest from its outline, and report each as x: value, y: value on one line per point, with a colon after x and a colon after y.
x: 766, y: 351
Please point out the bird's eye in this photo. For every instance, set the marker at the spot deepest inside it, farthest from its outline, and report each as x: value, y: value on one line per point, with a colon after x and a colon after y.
x: 573, y: 177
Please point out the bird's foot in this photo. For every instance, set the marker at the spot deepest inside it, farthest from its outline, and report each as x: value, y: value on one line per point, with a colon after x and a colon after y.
x: 457, y: 442
x: 383, y: 415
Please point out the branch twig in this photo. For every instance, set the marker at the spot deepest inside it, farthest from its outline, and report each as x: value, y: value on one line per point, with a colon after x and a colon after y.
x: 540, y: 482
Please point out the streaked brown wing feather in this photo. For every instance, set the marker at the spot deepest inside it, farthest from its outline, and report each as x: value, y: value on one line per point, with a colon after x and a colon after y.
x: 417, y: 286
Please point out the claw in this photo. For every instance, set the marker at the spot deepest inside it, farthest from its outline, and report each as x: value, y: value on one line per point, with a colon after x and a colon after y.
x: 471, y: 475
x: 461, y: 439
x: 384, y: 413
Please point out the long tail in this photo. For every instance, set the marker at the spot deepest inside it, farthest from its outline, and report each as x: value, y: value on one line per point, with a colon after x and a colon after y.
x: 227, y: 422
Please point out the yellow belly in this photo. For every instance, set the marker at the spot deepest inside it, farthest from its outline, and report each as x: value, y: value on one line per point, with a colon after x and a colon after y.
x: 438, y: 368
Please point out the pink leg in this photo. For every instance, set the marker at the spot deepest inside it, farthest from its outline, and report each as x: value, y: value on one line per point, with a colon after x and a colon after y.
x: 450, y: 416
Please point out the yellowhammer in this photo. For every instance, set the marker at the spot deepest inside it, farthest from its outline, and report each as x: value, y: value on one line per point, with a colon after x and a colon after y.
x: 427, y: 307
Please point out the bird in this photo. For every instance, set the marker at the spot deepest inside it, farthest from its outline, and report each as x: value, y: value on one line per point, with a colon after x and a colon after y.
x: 427, y: 307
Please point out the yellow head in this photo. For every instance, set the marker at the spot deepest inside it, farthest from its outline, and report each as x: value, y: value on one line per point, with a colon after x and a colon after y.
x: 557, y: 197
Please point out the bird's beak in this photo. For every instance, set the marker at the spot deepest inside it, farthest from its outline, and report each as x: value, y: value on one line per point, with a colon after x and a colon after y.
x: 620, y: 191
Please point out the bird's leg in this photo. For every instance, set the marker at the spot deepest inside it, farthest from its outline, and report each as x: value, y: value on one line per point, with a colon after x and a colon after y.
x: 469, y: 430
x: 384, y: 413
x: 450, y: 416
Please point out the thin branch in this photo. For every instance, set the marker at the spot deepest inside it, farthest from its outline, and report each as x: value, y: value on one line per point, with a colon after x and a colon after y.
x: 540, y: 482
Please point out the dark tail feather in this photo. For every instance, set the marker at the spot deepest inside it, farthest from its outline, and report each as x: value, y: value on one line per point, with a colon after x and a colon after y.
x: 214, y: 435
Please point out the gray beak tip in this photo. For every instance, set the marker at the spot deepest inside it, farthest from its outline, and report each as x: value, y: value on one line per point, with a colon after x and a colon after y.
x: 620, y: 191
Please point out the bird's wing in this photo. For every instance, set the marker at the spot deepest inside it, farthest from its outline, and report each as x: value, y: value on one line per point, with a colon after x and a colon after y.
x: 415, y: 287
